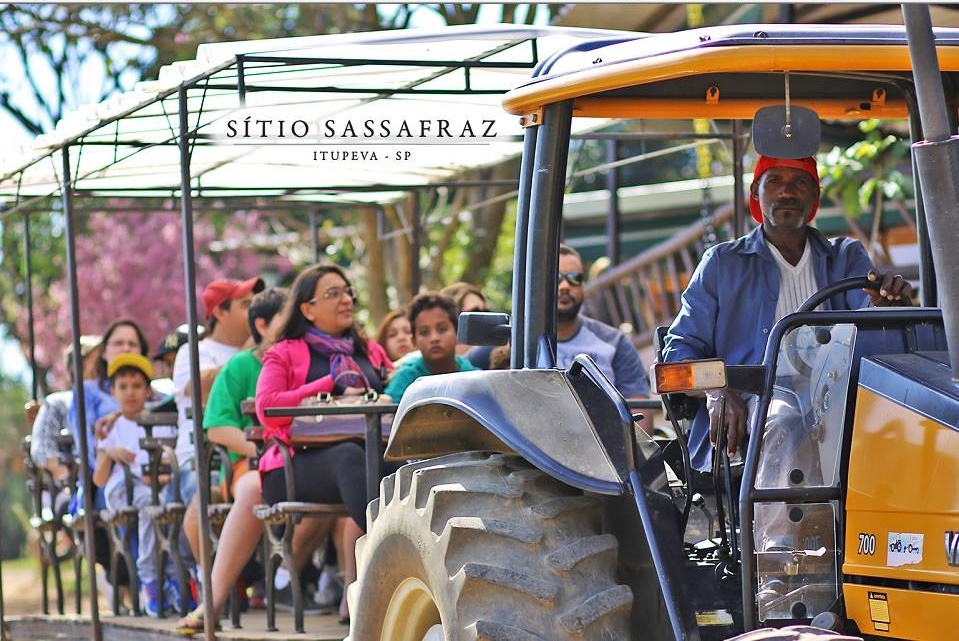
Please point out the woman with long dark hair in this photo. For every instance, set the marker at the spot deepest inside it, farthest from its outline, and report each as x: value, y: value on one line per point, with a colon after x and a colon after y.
x: 319, y: 349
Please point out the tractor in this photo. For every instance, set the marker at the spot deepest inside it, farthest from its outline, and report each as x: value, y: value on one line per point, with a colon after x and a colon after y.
x: 532, y: 509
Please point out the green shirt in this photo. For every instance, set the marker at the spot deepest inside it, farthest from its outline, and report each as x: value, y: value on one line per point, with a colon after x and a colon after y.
x: 412, y: 370
x: 235, y: 383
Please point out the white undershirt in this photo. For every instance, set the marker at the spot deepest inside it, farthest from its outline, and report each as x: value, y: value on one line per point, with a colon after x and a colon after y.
x: 796, y: 282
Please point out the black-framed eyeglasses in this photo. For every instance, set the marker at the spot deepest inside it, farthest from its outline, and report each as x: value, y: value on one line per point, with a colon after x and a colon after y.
x: 573, y: 278
x: 334, y: 293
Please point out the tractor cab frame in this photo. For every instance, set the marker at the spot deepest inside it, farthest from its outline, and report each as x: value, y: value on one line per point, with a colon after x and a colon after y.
x: 514, y: 446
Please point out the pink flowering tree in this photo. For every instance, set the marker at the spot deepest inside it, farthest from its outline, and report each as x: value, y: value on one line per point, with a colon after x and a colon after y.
x: 130, y: 264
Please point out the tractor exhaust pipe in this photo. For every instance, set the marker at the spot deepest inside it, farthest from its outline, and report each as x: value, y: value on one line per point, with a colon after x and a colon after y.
x: 937, y: 161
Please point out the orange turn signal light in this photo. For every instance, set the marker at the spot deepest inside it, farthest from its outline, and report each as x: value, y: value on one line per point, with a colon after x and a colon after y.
x: 688, y: 376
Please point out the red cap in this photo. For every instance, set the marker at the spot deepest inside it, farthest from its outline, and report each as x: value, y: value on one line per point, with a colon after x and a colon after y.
x: 807, y: 164
x: 222, y: 290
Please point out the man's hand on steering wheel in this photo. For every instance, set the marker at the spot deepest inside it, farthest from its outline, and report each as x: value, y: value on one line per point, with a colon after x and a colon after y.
x: 893, y: 289
x: 735, y: 419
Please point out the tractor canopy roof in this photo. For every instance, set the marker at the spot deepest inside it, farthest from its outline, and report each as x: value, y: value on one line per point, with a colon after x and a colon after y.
x: 726, y: 72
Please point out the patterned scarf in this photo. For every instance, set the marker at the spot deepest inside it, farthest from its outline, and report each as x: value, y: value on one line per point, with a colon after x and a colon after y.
x: 340, y: 353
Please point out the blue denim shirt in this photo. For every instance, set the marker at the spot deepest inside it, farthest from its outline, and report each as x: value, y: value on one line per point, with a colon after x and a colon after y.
x: 729, y: 307
x: 97, y: 403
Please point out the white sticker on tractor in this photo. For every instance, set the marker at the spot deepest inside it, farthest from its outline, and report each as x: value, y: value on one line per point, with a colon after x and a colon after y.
x: 904, y: 549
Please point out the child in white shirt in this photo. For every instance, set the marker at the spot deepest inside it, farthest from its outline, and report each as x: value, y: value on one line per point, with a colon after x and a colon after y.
x: 130, y: 376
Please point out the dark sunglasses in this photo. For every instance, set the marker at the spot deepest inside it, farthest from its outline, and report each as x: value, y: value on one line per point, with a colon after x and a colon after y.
x: 573, y: 278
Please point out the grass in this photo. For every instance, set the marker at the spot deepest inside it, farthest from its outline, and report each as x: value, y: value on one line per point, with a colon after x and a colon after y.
x: 23, y: 563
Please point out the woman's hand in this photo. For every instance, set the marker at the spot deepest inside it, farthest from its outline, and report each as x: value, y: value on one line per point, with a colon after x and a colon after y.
x: 103, y: 425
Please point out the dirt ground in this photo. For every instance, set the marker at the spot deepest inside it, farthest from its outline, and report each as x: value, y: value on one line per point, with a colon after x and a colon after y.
x: 21, y: 587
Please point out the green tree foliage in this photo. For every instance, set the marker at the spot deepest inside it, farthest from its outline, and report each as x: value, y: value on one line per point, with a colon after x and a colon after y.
x: 13, y: 496
x: 867, y: 171
x: 864, y: 176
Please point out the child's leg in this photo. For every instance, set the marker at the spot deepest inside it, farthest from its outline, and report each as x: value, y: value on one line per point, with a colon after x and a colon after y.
x: 146, y: 561
x: 190, y: 524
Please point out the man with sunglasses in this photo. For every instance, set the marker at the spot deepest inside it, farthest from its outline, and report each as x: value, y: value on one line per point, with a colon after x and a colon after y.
x: 578, y: 334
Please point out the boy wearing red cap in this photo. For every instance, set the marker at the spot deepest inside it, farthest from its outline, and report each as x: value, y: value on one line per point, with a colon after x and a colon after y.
x: 225, y: 303
x: 742, y: 287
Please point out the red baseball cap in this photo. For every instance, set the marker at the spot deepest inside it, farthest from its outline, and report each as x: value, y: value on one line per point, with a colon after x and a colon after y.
x: 222, y: 290
x: 807, y: 164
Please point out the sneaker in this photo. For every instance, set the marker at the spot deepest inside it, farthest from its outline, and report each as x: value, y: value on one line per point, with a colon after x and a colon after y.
x: 256, y: 596
x: 194, y: 591
x: 104, y: 587
x: 329, y: 589
x: 171, y: 590
x: 150, y: 599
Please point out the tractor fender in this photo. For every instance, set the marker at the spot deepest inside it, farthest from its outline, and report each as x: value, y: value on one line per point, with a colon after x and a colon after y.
x: 534, y: 413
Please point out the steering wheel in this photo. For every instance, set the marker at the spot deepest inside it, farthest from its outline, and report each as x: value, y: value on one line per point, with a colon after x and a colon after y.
x: 822, y: 335
x: 840, y: 286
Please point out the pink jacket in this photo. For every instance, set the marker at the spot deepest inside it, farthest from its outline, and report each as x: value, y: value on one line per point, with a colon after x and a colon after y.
x: 282, y: 382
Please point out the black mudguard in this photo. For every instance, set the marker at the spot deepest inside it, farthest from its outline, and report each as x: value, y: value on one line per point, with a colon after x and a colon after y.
x: 536, y: 414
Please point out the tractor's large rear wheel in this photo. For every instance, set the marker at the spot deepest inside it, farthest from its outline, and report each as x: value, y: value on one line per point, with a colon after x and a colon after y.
x: 479, y: 546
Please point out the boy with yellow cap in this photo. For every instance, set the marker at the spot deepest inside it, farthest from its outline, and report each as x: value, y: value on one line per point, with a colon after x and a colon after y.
x: 130, y: 376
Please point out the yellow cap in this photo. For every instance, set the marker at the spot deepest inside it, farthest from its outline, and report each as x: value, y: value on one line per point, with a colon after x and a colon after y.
x: 138, y: 361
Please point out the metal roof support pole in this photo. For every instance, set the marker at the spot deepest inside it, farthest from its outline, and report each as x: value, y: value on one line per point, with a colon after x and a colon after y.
x: 739, y: 188
x: 28, y: 286
x: 31, y: 338
x: 517, y: 353
x: 928, y: 290
x: 314, y: 235
x: 3, y: 624
x: 937, y: 159
x: 240, y: 81
x: 200, y: 463
x: 542, y: 243
x: 416, y: 276
x: 614, y: 219
x: 78, y: 396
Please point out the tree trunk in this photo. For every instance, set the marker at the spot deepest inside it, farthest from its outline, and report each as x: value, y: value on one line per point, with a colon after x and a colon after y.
x: 378, y: 303
x: 907, y: 216
x: 435, y: 280
x: 402, y: 254
x: 875, y: 236
x: 487, y: 226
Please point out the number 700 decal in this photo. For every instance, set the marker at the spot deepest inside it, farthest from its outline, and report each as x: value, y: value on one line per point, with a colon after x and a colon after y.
x: 867, y: 544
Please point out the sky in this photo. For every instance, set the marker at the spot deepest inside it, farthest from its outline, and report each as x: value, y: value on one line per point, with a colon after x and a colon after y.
x: 12, y: 363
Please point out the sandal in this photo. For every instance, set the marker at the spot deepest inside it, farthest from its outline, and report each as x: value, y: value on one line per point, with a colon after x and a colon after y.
x: 191, y: 624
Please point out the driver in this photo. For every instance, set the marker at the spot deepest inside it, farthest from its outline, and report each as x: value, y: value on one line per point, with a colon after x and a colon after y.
x: 742, y: 287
